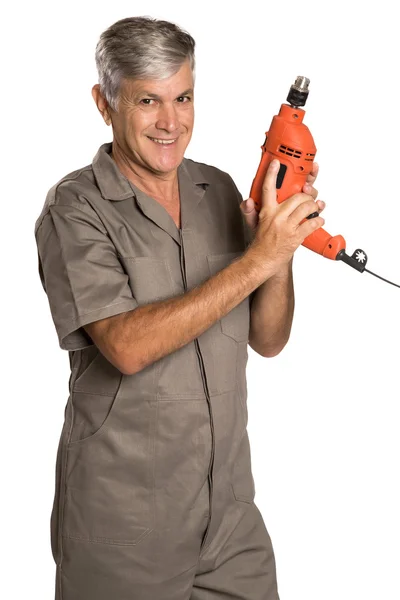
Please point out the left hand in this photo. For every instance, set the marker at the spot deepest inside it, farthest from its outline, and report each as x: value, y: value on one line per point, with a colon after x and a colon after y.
x: 251, y: 215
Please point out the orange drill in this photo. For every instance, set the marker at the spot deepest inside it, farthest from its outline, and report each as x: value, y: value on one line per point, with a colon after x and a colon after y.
x: 291, y: 142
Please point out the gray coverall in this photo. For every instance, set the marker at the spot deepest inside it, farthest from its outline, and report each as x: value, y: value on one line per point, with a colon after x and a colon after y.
x: 154, y: 495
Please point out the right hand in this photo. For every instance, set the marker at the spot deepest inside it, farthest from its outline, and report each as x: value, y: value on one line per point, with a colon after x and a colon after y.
x: 280, y: 230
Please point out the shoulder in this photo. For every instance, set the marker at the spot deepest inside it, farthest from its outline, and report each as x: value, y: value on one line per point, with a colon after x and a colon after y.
x: 71, y: 190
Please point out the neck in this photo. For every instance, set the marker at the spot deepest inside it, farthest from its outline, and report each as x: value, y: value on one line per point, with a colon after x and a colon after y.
x: 162, y: 186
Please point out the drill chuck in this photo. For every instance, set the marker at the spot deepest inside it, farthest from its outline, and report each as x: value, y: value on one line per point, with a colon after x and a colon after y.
x: 298, y: 92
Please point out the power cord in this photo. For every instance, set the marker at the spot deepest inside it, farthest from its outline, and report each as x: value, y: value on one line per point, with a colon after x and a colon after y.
x: 358, y: 261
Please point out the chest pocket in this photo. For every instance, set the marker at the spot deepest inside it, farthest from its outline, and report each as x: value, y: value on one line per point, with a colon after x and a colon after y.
x: 150, y: 278
x: 236, y: 323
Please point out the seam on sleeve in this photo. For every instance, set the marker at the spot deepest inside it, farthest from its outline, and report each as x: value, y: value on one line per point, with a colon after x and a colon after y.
x: 72, y: 327
x: 65, y: 264
x: 92, y: 213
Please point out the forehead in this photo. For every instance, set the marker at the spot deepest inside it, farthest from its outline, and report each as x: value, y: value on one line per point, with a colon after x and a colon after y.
x: 179, y: 83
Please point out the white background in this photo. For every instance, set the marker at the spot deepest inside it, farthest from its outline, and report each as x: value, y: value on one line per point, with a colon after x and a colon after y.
x: 323, y: 415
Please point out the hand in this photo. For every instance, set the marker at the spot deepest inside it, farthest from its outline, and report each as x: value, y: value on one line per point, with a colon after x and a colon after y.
x: 281, y: 228
x: 252, y: 216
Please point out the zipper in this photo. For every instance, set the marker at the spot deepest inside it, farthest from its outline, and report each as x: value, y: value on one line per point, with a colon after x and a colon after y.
x: 210, y: 468
x: 204, y: 379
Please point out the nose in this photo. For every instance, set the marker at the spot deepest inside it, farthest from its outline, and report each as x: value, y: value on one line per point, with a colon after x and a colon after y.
x: 167, y: 117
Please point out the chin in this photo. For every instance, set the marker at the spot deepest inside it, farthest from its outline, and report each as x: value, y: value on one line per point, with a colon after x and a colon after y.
x: 167, y: 165
x: 167, y: 161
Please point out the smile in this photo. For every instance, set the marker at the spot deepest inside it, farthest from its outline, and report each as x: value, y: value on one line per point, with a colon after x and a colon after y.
x: 162, y: 142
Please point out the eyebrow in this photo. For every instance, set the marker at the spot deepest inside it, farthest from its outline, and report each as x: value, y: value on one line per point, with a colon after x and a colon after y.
x: 156, y: 97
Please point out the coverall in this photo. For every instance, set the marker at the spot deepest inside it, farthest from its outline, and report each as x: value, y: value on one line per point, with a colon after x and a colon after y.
x: 154, y: 495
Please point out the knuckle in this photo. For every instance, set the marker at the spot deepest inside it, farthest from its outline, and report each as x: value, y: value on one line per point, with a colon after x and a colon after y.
x: 306, y: 199
x: 279, y: 220
x: 313, y: 192
x: 299, y: 197
x: 312, y: 205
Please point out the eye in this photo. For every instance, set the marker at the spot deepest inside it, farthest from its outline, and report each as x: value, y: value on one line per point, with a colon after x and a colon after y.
x: 182, y: 97
x: 147, y: 101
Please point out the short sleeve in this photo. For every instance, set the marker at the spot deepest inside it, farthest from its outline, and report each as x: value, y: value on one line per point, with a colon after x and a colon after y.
x: 80, y: 272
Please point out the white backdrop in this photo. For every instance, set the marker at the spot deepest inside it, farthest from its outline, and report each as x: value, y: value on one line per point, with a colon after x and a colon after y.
x: 323, y: 415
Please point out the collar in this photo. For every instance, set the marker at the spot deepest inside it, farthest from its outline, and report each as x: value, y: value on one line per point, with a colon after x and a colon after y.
x: 113, y: 185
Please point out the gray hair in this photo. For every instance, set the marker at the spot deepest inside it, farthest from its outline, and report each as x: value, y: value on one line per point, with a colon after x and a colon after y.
x: 140, y: 48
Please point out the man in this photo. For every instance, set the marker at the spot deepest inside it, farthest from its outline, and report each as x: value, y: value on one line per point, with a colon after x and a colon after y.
x: 158, y: 275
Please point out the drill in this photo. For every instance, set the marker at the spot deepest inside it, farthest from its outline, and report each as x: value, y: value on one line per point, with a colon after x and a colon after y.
x: 290, y: 141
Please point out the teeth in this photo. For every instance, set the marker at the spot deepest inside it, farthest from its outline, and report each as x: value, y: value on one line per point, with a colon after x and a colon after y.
x: 163, y: 141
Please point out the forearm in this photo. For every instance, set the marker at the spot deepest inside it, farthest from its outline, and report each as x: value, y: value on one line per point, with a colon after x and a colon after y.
x: 272, y: 313
x: 146, y: 334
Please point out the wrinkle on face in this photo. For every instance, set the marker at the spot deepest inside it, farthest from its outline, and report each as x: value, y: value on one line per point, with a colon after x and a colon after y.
x: 158, y: 109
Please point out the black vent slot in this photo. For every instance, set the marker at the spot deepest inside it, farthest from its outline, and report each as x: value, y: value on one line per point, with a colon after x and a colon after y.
x: 290, y: 151
x: 310, y: 157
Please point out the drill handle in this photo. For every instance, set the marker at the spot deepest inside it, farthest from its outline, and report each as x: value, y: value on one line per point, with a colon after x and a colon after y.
x: 320, y: 241
x: 323, y: 243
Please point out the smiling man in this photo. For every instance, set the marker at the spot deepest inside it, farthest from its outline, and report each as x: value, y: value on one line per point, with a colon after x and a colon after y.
x: 158, y: 276
x: 151, y: 131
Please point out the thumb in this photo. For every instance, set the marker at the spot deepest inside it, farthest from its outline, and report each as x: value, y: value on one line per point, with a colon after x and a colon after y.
x: 269, y: 187
x: 249, y: 212
x: 247, y: 206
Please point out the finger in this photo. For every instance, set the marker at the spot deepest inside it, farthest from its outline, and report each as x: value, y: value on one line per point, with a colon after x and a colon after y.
x: 248, y: 206
x: 249, y: 212
x: 269, y: 202
x: 302, y: 212
x: 309, y: 189
x: 308, y: 227
x: 321, y: 205
x: 311, y: 177
x: 287, y: 207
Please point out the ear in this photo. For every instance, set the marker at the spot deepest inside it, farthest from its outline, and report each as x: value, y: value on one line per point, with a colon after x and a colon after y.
x: 101, y: 104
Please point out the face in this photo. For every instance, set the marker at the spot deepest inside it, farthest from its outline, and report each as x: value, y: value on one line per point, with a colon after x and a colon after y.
x: 150, y: 112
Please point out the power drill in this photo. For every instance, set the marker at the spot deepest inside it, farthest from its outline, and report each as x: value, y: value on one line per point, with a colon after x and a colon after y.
x: 290, y: 141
